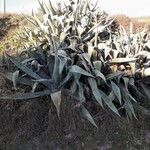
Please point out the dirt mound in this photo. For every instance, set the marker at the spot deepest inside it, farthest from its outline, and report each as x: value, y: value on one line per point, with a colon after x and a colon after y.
x: 9, y: 22
x: 34, y: 125
x: 125, y: 22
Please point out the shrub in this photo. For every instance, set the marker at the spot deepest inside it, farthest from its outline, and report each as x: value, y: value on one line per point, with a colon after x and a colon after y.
x: 75, y: 50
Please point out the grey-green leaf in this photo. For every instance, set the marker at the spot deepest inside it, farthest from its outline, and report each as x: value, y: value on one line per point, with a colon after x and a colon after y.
x: 77, y: 69
x: 15, y: 78
x: 56, y: 98
x: 24, y: 68
x: 25, y: 96
x: 88, y: 116
x: 108, y: 102
x: 114, y: 75
x: 116, y: 91
x: 99, y: 74
x: 97, y: 65
x: 95, y: 90
x: 21, y: 80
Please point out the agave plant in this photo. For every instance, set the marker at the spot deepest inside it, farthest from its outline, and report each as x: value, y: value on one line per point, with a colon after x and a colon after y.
x: 75, y: 50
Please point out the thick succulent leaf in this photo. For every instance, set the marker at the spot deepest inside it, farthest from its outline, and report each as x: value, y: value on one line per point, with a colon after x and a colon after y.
x: 65, y: 80
x: 42, y: 7
x: 99, y: 74
x: 108, y: 102
x: 27, y: 70
x: 123, y: 60
x: 62, y: 64
x: 55, y: 75
x: 52, y: 8
x: 133, y: 67
x: 50, y: 64
x: 128, y: 105
x: 146, y: 90
x: 24, y: 68
x: 80, y: 88
x: 21, y: 80
x: 25, y: 96
x: 97, y: 65
x: 63, y: 35
x: 114, y: 75
x: 87, y: 58
x: 112, y: 96
x: 81, y: 93
x: 87, y: 115
x: 131, y: 97
x: 27, y: 60
x: 34, y: 87
x: 116, y: 91
x: 42, y: 73
x: 126, y: 82
x: 36, y: 55
x: 77, y: 69
x: 15, y: 76
x: 95, y: 90
x: 56, y: 98
x: 48, y: 82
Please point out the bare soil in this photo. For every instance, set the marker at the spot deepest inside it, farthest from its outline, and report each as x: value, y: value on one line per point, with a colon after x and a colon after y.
x: 34, y: 125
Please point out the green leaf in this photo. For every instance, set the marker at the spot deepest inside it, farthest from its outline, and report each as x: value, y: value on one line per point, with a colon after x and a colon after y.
x: 116, y: 91
x: 88, y: 116
x: 95, y: 90
x: 56, y: 98
x: 108, y: 102
x: 24, y: 96
x: 77, y: 69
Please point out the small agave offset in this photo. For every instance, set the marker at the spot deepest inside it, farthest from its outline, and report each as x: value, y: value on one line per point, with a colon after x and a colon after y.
x: 76, y: 49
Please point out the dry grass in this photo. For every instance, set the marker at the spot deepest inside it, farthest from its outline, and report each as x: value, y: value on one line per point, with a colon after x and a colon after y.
x: 137, y: 24
x: 9, y: 24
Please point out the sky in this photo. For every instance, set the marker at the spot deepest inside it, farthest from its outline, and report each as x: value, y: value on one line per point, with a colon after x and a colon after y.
x: 131, y: 8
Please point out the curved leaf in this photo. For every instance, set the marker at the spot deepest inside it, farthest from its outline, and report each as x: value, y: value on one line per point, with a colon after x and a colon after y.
x: 77, y: 69
x: 24, y: 96
x: 21, y: 80
x: 95, y: 90
x: 116, y: 91
x: 15, y: 76
x: 88, y: 116
x: 108, y: 102
x: 99, y: 74
x: 24, y: 68
x: 114, y: 75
